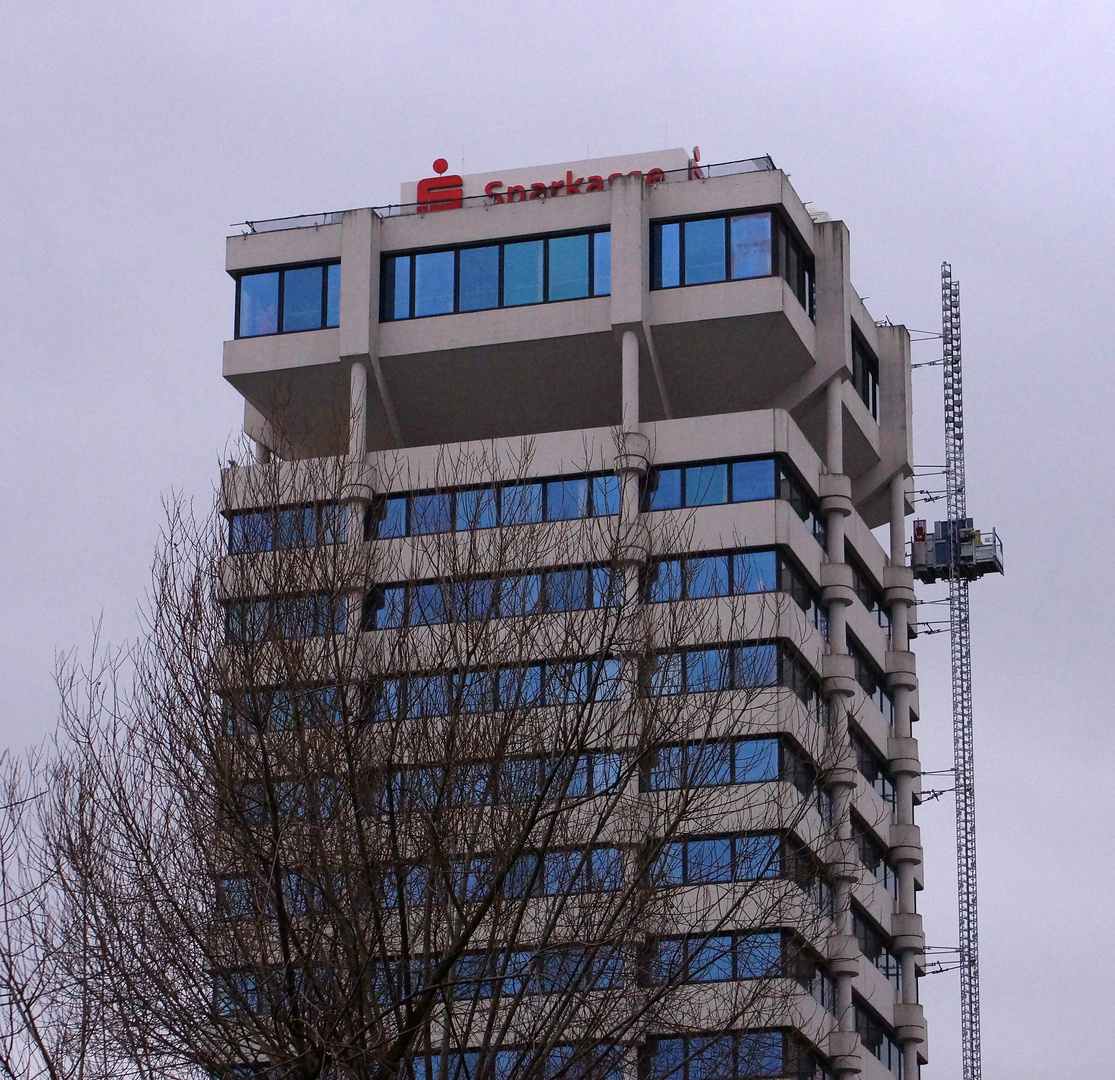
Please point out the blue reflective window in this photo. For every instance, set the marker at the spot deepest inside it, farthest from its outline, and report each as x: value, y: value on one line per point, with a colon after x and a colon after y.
x: 568, y: 277
x: 302, y: 296
x: 755, y: 572
x: 601, y: 263
x: 250, y: 532
x: 479, y: 278
x: 567, y: 590
x: 709, y: 861
x: 521, y: 504
x: 756, y: 760
x: 522, y: 273
x: 521, y: 595
x: 398, y: 287
x: 666, y: 493
x: 605, y: 495
x: 758, y: 665
x: 394, y: 520
x: 665, y: 581
x: 477, y: 509
x: 433, y: 283
x: 259, y: 304
x: 753, y: 481
x: 750, y: 245
x: 566, y: 499
x: 333, y: 295
x: 711, y: 960
x: 707, y: 576
x: 706, y: 485
x: 704, y: 251
x: 666, y: 255
x: 431, y: 513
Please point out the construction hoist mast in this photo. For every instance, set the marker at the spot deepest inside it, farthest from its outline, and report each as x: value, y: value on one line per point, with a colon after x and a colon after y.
x: 958, y: 553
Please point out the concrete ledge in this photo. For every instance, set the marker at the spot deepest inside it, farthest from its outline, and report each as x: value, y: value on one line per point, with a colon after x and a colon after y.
x: 905, y: 843
x: 902, y: 755
x: 845, y: 1052
x: 909, y: 1022
x: 907, y: 932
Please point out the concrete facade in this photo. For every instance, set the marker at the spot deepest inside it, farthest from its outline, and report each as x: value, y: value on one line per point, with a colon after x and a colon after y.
x: 644, y: 377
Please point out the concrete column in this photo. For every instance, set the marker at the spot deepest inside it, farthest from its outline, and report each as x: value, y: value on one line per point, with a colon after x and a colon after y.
x: 630, y: 381
x: 898, y: 520
x: 834, y: 427
x: 358, y: 411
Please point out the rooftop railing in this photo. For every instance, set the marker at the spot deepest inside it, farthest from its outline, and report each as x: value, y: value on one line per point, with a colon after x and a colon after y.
x: 695, y: 171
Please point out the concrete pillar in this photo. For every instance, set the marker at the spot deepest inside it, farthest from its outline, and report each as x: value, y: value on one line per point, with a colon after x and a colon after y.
x: 630, y: 381
x: 898, y: 520
x: 834, y: 427
x: 358, y: 411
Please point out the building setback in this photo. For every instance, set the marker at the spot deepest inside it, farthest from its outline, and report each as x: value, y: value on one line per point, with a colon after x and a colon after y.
x: 693, y: 332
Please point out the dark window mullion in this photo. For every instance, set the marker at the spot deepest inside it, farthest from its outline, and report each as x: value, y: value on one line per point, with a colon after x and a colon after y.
x: 412, y: 263
x: 546, y: 270
x: 499, y: 297
x: 456, y: 280
x: 592, y: 269
x: 282, y: 292
x: 236, y: 328
x: 727, y: 252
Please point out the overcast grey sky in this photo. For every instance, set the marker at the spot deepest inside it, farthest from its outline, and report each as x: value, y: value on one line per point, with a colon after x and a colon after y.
x: 132, y: 134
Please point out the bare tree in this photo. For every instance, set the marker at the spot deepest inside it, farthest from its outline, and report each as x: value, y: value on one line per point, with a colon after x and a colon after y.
x: 461, y: 803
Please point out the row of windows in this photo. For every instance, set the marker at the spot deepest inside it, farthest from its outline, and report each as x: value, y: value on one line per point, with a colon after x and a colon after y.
x: 670, y: 487
x: 523, y: 971
x: 871, y: 680
x: 506, y: 274
x: 865, y: 373
x: 873, y: 768
x: 249, y: 622
x: 736, y: 1055
x: 719, y: 762
x: 552, y: 682
x: 602, y: 1061
x: 873, y: 944
x: 527, y: 503
x: 288, y: 300
x: 733, y: 667
x: 866, y: 591
x: 252, y: 531
x: 282, y: 709
x: 734, y: 573
x: 729, y: 247
x: 872, y: 855
x: 877, y: 1037
x: 486, y: 783
x: 432, y: 602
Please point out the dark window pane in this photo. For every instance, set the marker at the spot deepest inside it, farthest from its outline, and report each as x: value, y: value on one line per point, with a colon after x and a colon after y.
x: 302, y: 299
x: 479, y: 278
x: 476, y: 509
x: 602, y: 263
x: 521, y: 504
x: 704, y: 251
x: 522, y: 273
x: 249, y: 533
x: 755, y: 571
x: 568, y: 267
x: 706, y: 485
x: 709, y: 764
x: 333, y: 295
x: 752, y: 480
x: 431, y: 513
x: 394, y: 520
x: 566, y: 499
x: 259, y: 304
x: 666, y: 240
x: 757, y: 857
x: 400, y: 295
x: 433, y: 283
x: 711, y: 961
x: 666, y: 493
x: 750, y: 245
x: 296, y: 527
x: 707, y: 576
x: 605, y: 495
x: 427, y: 605
x: 707, y: 669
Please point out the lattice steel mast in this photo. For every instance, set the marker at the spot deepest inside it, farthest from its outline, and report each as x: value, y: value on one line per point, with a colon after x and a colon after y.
x: 961, y: 639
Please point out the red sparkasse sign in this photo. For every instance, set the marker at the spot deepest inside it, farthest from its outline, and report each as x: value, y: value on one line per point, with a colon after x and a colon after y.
x: 449, y: 191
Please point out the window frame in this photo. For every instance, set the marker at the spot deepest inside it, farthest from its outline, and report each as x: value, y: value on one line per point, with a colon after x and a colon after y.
x: 281, y: 270
x: 784, y: 237
x: 389, y: 269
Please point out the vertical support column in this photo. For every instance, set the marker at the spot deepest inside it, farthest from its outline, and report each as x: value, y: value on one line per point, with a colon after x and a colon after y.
x: 358, y: 411
x: 261, y: 452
